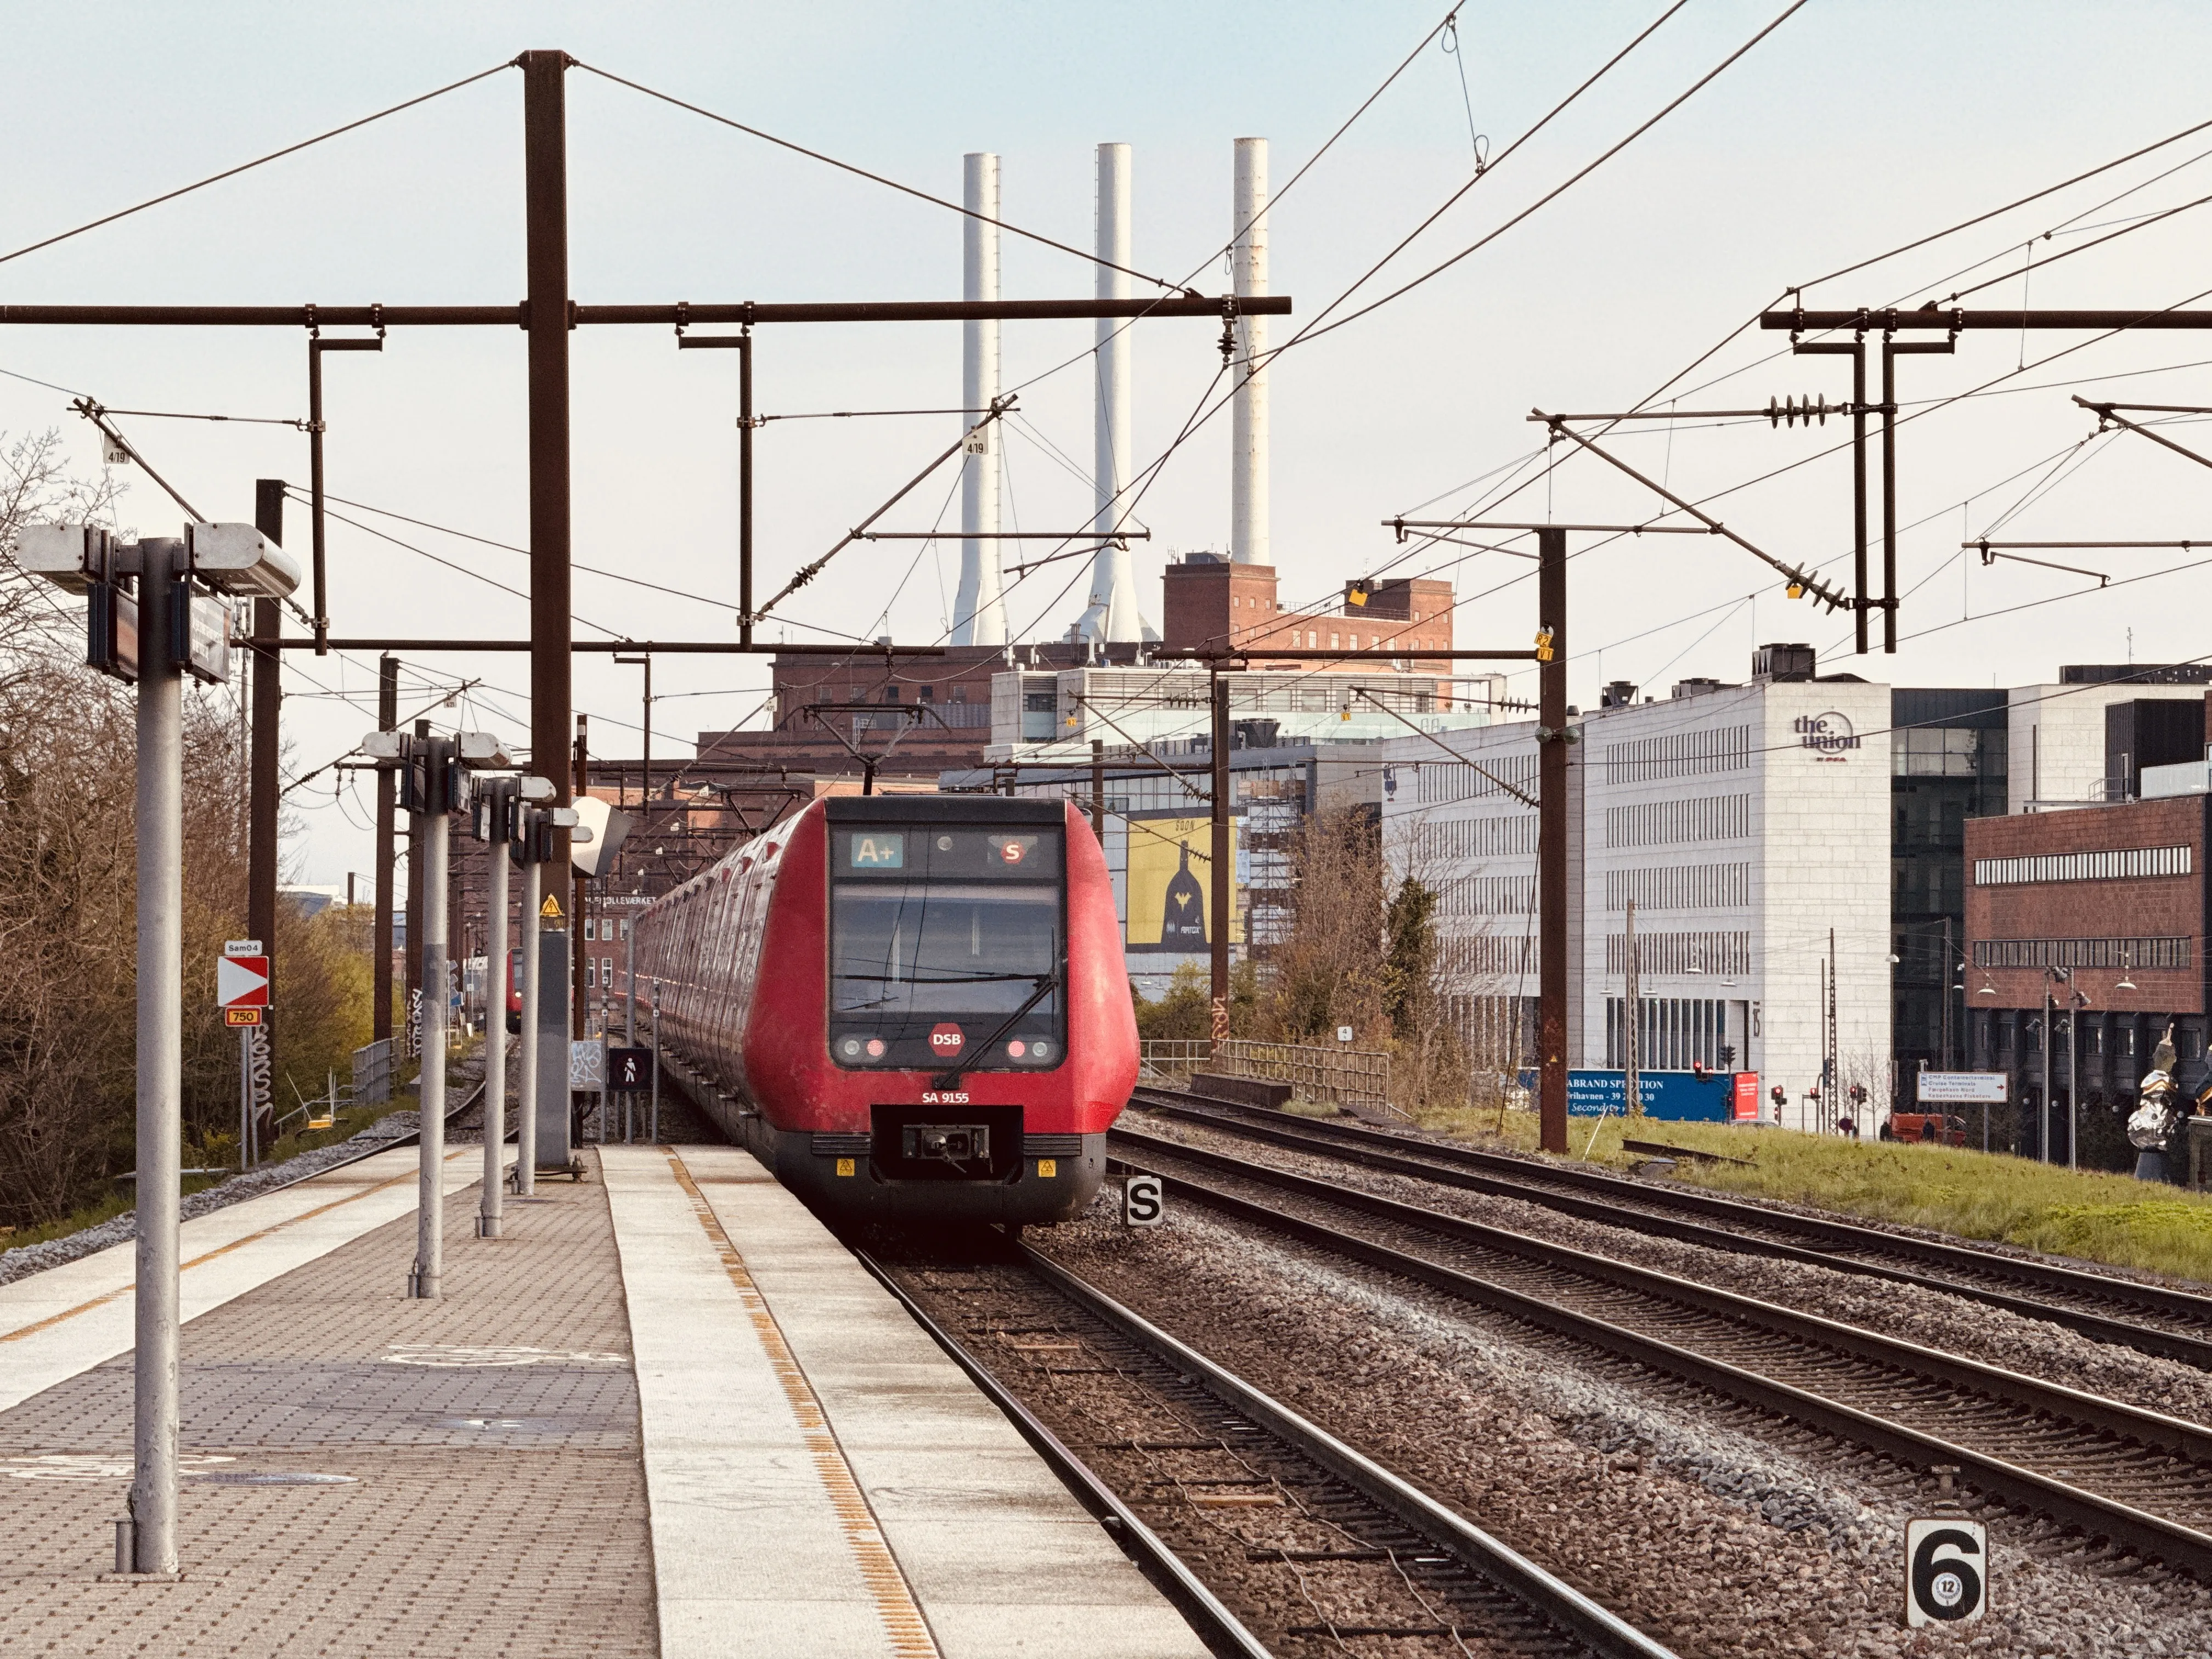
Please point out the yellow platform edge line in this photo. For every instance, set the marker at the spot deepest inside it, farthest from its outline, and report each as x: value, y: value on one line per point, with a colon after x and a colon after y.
x: 901, y: 1615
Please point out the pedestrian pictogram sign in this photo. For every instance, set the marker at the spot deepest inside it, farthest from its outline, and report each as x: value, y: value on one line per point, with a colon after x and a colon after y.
x: 241, y: 982
x: 629, y: 1069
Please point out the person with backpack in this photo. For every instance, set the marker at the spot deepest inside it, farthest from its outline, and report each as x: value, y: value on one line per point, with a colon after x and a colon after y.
x: 2159, y: 1113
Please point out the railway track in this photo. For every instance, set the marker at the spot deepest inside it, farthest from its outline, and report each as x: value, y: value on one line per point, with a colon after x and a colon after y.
x: 2136, y: 1481
x: 2149, y: 1318
x: 469, y: 1102
x: 1263, y: 1512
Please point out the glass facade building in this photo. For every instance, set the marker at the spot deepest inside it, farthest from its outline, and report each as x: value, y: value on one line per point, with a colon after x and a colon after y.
x: 1947, y: 763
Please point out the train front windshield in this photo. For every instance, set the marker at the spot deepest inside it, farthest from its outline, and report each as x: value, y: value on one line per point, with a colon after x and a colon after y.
x: 946, y: 947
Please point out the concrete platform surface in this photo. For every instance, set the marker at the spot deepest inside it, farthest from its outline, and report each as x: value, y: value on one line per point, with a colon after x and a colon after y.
x: 667, y: 1414
x: 823, y: 1480
x: 365, y: 1475
x: 61, y: 1321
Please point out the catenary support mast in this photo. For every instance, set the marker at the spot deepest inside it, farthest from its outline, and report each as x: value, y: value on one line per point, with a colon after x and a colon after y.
x: 160, y: 1063
x: 1552, y: 840
x: 545, y: 188
x: 263, y: 853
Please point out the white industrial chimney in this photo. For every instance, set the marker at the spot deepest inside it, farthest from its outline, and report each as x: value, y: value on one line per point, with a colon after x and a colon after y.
x: 1113, y: 617
x: 1247, y: 488
x: 979, y: 614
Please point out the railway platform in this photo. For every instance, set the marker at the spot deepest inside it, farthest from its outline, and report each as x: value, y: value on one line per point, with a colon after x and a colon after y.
x: 666, y: 1413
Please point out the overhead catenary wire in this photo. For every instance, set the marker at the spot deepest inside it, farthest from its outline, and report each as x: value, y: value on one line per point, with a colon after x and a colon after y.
x: 1751, y: 322
x: 879, y: 178
x: 1203, y: 415
x: 1318, y: 327
x: 1999, y: 212
x: 1274, y: 200
x: 181, y: 415
x: 1482, y: 171
x: 590, y: 569
x: 260, y: 161
x: 474, y: 575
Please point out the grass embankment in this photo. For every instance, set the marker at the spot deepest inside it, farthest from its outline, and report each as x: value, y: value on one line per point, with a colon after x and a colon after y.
x: 2096, y: 1217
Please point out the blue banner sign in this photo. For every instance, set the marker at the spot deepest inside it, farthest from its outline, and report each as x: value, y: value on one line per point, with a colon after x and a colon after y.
x: 1669, y: 1096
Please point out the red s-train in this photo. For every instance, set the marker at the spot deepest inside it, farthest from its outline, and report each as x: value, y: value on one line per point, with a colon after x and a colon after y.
x: 910, y: 1007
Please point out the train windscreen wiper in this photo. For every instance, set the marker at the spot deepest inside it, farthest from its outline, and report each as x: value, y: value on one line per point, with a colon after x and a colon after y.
x: 1045, y: 982
x: 919, y: 977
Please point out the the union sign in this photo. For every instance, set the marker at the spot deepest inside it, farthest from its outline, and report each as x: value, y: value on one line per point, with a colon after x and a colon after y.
x: 1829, y: 736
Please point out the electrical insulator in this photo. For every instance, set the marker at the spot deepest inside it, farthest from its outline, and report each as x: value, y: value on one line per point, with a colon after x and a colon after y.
x: 1788, y: 412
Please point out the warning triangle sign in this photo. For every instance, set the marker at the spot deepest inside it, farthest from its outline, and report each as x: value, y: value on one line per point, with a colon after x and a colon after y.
x: 550, y: 910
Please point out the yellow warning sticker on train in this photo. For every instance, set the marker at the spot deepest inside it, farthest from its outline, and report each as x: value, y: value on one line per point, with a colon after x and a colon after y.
x: 845, y: 1166
x: 550, y: 909
x: 1048, y: 1168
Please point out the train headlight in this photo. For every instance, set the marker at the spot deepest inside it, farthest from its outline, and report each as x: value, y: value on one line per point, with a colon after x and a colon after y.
x: 875, y: 1048
x: 850, y: 1047
x: 1040, y: 1051
x: 1017, y: 1048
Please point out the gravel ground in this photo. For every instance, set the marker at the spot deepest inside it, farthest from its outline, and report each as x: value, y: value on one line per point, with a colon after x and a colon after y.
x: 1955, y: 1324
x: 1716, y: 1530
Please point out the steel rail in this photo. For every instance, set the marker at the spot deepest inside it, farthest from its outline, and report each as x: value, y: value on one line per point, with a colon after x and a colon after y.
x: 1221, y: 1630
x: 2171, y: 1435
x: 1614, y: 1200
x: 2100, y: 1517
x: 1561, y: 1604
x: 472, y: 1098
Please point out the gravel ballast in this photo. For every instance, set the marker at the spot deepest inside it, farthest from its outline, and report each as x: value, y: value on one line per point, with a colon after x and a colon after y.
x: 1718, y: 1530
x: 1955, y: 1324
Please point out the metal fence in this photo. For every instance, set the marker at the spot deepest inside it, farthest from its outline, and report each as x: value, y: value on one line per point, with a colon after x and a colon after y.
x: 1173, y: 1057
x: 372, y: 1073
x: 1341, y: 1077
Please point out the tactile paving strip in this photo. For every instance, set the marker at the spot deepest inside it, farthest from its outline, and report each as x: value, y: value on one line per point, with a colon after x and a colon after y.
x: 497, y: 1504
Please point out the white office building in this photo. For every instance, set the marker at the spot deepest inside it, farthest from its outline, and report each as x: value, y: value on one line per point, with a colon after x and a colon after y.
x: 1748, y: 825
x: 1045, y: 714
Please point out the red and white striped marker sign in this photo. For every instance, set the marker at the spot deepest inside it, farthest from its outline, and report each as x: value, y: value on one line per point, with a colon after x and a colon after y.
x: 241, y: 982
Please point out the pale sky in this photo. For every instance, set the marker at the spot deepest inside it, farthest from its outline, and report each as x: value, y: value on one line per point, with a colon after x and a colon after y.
x: 1851, y: 129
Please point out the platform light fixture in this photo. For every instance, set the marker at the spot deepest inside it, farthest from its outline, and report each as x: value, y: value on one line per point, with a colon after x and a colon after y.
x: 239, y: 559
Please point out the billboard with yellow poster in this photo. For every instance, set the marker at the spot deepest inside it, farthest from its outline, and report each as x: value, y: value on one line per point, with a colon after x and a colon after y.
x: 1170, y: 883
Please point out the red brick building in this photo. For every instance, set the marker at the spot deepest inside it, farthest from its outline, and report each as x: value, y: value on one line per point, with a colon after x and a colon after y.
x: 1211, y: 603
x: 2105, y: 910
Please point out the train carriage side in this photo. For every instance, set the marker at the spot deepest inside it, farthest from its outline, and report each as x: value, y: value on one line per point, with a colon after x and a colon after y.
x: 914, y: 1006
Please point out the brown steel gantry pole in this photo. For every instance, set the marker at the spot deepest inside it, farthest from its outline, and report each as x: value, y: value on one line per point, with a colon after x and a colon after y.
x: 262, y: 782
x: 387, y: 719
x: 1551, y: 838
x: 545, y: 187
